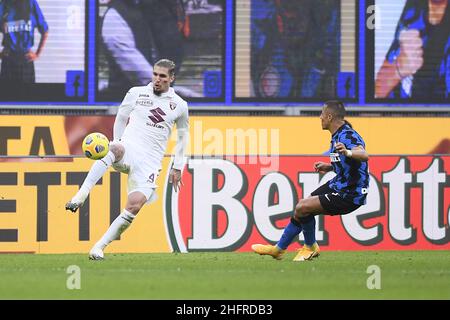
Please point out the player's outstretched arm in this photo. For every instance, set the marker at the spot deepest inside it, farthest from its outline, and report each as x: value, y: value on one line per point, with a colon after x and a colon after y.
x: 357, y: 153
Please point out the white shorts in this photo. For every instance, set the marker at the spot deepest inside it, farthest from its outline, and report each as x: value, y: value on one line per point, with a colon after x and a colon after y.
x: 141, y: 175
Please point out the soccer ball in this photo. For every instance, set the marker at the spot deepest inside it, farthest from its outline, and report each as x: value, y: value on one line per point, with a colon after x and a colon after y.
x: 95, y: 146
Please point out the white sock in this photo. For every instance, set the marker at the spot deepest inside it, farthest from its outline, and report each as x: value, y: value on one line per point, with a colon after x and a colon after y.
x: 97, y: 171
x: 117, y: 227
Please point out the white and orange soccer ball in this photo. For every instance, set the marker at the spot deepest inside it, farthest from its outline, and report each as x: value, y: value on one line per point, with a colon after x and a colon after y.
x: 95, y: 145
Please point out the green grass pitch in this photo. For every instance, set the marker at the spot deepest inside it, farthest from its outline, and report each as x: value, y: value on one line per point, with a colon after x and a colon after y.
x: 220, y: 275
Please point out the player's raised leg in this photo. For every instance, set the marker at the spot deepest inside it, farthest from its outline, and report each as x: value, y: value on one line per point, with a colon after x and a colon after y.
x: 134, y: 203
x: 97, y: 171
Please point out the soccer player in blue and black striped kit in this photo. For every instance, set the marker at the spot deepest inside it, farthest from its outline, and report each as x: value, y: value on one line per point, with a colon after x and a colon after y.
x: 345, y: 193
x: 18, y: 20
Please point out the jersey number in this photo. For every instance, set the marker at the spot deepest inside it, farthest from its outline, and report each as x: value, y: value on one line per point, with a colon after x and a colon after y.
x: 157, y: 114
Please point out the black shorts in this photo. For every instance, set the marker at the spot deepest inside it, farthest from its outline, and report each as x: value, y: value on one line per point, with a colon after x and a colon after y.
x: 17, y: 70
x: 333, y: 202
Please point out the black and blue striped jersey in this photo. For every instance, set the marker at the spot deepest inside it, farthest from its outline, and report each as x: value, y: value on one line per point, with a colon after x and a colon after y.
x: 18, y: 21
x: 352, y: 176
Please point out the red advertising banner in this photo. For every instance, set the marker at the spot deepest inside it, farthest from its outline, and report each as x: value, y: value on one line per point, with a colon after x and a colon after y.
x: 228, y: 204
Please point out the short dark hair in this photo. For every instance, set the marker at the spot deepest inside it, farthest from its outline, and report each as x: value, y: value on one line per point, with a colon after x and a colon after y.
x: 336, y: 107
x: 166, y: 63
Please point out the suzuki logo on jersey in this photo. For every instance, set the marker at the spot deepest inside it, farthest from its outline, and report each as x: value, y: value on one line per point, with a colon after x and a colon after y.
x: 156, y: 116
x: 334, y: 157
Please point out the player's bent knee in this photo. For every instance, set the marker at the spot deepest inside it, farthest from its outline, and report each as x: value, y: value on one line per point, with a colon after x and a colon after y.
x: 134, y: 209
x: 136, y: 201
x: 134, y: 206
x: 118, y: 150
x: 301, y: 209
